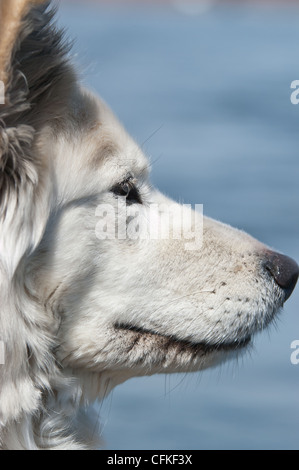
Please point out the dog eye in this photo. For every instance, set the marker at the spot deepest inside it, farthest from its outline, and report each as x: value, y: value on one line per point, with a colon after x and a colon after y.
x: 128, y: 190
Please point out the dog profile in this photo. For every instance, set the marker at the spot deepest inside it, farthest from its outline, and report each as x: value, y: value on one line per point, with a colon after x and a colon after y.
x: 83, y: 308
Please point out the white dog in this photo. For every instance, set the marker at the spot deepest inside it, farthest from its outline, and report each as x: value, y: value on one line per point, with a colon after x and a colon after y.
x: 85, y: 302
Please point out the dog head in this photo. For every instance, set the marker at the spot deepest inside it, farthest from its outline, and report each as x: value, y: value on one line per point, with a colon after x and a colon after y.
x: 102, y: 277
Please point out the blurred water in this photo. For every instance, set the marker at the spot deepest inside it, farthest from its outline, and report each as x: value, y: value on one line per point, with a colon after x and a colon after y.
x: 213, y: 92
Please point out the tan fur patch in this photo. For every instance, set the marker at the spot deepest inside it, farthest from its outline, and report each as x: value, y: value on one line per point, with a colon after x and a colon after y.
x: 11, y: 14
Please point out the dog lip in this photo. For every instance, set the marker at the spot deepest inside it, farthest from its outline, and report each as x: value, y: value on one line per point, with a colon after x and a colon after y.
x: 200, y: 346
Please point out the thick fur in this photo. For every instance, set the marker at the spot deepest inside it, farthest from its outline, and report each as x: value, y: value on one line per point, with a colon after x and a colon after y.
x: 80, y: 315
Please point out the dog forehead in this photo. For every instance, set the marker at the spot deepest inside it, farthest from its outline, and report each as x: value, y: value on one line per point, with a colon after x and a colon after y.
x: 91, y: 149
x: 109, y: 143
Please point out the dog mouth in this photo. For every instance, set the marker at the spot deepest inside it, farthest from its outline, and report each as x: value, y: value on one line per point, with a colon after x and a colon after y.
x: 197, y: 348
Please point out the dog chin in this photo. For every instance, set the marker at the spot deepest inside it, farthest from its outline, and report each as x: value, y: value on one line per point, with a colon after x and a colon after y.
x: 172, y: 354
x: 200, y: 347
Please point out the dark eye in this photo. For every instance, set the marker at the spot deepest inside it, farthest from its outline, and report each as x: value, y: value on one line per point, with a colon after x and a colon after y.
x: 128, y: 190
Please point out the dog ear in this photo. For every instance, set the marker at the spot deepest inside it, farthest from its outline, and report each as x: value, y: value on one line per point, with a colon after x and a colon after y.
x: 18, y: 171
x: 36, y: 77
x: 12, y: 13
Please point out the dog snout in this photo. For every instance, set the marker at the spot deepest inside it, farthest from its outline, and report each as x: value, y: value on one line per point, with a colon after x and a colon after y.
x: 284, y: 270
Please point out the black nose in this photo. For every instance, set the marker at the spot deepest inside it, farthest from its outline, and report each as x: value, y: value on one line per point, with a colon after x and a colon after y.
x: 284, y: 270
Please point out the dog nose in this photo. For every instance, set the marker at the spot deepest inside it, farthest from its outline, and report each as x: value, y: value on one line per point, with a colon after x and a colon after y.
x: 284, y: 270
